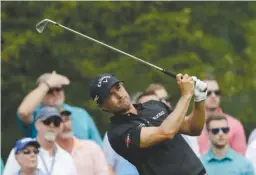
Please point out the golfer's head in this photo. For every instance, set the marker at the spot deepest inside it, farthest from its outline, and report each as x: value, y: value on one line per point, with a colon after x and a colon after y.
x: 109, y: 93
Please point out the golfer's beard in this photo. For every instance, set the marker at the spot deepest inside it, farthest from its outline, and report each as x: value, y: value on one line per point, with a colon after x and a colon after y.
x: 67, y: 135
x: 123, y: 110
x: 50, y: 136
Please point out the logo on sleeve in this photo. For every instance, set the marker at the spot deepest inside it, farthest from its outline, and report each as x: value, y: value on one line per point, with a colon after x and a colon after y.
x: 158, y: 115
x: 127, y: 140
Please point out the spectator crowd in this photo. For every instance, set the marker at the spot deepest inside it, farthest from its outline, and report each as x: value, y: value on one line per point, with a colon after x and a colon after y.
x: 63, y: 139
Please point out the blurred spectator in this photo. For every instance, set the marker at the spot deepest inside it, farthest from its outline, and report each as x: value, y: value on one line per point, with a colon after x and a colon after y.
x: 87, y: 155
x: 52, y: 158
x: 237, y: 140
x: 26, y: 154
x: 134, y: 97
x: 49, y: 91
x: 251, y: 154
x: 220, y: 158
x: 193, y: 143
x: 2, y: 166
x: 147, y: 96
x: 151, y: 94
x: 117, y: 164
x: 160, y: 92
x: 252, y: 136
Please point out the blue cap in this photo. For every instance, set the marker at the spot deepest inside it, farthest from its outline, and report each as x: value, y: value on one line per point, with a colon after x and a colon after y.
x: 47, y: 112
x: 24, y: 142
x: 101, y: 85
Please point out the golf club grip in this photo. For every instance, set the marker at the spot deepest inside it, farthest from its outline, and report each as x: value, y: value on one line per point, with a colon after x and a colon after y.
x: 169, y: 73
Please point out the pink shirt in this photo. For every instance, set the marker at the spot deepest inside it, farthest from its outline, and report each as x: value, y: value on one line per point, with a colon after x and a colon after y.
x: 89, y: 158
x: 236, y: 136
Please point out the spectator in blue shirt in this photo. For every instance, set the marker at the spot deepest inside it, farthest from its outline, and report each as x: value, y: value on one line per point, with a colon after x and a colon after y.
x: 49, y: 92
x: 117, y: 164
x: 221, y: 159
x: 2, y: 166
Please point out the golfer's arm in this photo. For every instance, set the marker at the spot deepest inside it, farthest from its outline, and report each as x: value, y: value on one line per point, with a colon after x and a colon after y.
x: 169, y: 127
x: 30, y: 102
x: 193, y: 124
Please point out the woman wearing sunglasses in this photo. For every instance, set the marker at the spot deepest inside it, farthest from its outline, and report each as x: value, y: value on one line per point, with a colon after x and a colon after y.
x: 26, y: 154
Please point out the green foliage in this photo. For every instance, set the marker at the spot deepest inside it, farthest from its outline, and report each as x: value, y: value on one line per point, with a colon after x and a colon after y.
x: 206, y: 39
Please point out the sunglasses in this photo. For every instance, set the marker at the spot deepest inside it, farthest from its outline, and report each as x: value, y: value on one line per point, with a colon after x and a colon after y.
x: 55, y: 120
x: 27, y: 151
x: 215, y: 131
x: 54, y: 89
x: 216, y: 92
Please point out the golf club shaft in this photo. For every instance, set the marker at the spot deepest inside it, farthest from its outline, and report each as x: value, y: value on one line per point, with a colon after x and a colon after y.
x: 113, y: 48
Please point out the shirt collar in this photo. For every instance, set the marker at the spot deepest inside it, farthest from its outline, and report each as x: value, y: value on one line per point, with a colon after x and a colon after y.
x: 77, y: 144
x: 46, y: 152
x: 138, y: 106
x: 219, y: 110
x: 128, y: 116
x: 228, y: 155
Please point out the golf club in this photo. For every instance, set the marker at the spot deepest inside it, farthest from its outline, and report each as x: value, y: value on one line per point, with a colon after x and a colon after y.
x: 42, y: 25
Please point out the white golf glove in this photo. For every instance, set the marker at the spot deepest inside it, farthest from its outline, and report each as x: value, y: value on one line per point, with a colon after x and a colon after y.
x: 200, y: 90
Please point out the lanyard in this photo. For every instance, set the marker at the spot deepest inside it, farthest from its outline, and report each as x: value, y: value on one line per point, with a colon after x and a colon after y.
x: 49, y: 172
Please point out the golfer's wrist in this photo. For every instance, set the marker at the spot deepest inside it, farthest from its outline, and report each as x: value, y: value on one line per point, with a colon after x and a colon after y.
x: 187, y: 96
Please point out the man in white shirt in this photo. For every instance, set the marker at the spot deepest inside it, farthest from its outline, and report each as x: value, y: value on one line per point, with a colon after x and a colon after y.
x: 52, y: 160
x: 251, y: 154
x: 252, y: 137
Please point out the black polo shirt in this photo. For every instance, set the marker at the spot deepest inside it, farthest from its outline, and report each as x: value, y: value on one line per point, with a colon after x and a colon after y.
x: 170, y: 157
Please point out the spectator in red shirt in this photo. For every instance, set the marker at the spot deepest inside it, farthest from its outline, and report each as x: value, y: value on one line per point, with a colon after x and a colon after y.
x: 236, y: 136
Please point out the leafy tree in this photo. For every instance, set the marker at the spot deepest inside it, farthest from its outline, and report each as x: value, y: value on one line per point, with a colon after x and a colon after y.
x: 206, y: 39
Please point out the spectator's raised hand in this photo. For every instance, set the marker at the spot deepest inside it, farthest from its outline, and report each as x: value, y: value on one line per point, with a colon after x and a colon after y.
x: 57, y: 80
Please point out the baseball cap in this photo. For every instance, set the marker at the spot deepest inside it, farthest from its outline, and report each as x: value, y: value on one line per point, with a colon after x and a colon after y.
x: 47, y: 112
x: 24, y: 142
x: 101, y: 85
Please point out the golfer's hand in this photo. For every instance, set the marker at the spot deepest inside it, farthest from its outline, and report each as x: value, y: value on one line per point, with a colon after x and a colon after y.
x: 200, y: 90
x: 186, y: 84
x: 57, y: 80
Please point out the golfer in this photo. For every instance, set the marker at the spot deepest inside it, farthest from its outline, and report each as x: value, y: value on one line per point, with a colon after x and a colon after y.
x: 149, y: 135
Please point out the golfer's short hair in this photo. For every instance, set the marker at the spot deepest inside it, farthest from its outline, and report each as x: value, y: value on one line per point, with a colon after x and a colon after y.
x: 213, y: 117
x: 153, y: 87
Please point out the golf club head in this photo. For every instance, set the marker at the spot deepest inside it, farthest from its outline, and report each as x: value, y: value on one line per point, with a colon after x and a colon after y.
x: 42, y: 25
